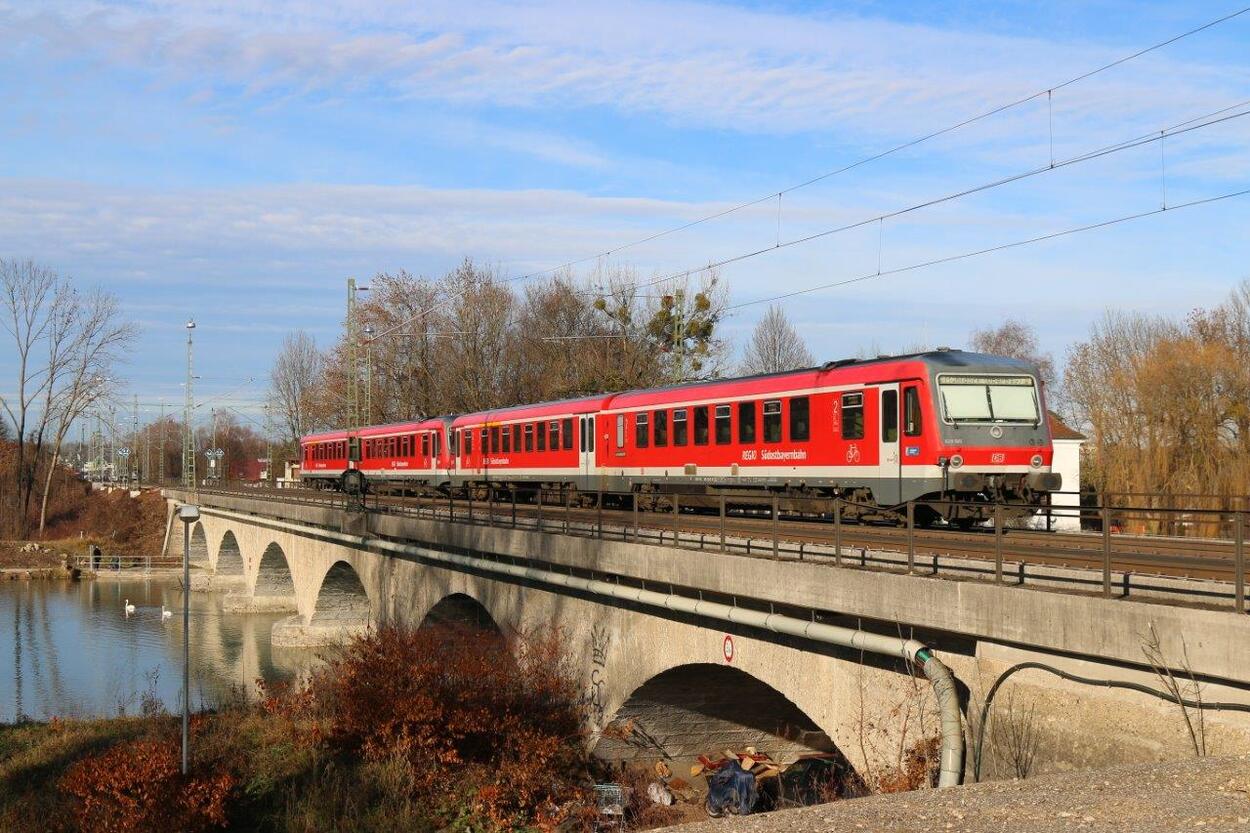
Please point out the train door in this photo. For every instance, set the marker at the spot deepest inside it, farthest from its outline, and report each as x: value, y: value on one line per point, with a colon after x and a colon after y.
x: 890, y: 468
x: 587, y: 445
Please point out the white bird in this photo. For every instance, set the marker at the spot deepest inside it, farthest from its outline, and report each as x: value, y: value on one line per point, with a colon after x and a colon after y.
x: 129, y: 607
x: 166, y: 613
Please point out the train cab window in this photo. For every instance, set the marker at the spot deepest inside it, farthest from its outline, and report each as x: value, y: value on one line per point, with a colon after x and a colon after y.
x: 661, y: 429
x: 911, y: 412
x: 540, y: 436
x: 724, y: 427
x: 700, y: 425
x: 746, y: 422
x: 620, y: 430
x: 640, y: 431
x: 553, y: 435
x: 800, y: 419
x: 852, y: 416
x: 772, y: 421
x: 568, y: 435
x: 529, y: 437
x: 679, y: 426
x: 889, y: 416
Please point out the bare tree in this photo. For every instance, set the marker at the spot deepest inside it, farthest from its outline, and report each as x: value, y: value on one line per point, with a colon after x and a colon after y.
x: 296, y: 376
x: 775, y: 346
x: 93, y: 343
x: 1016, y: 339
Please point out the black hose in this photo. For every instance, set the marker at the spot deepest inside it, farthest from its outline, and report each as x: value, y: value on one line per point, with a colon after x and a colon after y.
x: 1162, y: 695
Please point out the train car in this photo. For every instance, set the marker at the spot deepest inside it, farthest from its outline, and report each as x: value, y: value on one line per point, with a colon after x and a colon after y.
x: 552, y: 443
x: 324, y: 458
x: 959, y: 430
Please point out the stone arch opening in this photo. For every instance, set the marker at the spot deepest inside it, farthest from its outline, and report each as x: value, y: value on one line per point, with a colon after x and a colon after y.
x: 229, y: 556
x: 704, y: 709
x: 199, y: 545
x: 273, y: 578
x: 461, y: 612
x: 342, y: 600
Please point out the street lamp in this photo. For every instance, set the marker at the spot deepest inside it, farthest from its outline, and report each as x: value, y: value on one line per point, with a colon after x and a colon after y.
x: 188, y: 515
x: 188, y: 439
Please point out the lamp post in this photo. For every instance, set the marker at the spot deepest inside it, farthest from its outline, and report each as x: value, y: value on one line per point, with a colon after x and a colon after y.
x: 188, y: 515
x: 188, y: 438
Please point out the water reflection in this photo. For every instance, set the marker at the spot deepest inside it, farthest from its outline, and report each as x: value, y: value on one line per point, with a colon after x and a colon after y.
x: 71, y: 650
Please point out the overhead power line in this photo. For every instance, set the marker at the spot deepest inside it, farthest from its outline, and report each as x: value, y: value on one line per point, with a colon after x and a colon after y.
x: 990, y: 250
x: 774, y: 195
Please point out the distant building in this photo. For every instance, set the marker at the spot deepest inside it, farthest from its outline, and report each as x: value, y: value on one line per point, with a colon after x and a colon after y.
x: 1067, y: 462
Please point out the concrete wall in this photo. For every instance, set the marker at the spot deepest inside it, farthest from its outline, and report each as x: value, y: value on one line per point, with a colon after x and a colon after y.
x: 665, y: 678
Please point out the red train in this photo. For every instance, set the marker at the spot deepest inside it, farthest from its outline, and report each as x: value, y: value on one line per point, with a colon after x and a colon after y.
x: 947, y: 425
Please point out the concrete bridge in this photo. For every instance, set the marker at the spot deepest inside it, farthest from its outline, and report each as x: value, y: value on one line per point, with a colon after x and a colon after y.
x: 674, y: 682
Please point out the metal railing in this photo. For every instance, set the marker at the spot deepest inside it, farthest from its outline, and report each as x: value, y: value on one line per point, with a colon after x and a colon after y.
x: 1009, y: 546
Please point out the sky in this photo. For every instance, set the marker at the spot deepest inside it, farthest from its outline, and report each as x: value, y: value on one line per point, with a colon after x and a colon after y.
x: 237, y: 161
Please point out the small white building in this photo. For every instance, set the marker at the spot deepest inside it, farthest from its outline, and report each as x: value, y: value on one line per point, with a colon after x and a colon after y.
x: 1066, y: 504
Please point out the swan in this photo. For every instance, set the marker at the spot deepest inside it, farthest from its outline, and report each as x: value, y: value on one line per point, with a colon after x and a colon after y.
x: 129, y: 607
x: 166, y: 613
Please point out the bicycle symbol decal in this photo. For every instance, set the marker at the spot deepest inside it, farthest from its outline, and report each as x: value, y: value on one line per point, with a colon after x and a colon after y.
x: 852, y: 453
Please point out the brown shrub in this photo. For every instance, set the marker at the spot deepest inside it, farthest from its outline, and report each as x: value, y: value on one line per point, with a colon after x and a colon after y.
x: 138, y: 786
x: 464, y: 709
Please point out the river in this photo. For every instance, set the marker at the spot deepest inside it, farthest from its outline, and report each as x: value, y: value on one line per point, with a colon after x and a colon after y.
x: 68, y: 649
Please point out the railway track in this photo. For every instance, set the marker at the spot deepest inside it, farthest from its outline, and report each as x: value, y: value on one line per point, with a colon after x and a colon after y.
x: 1014, y: 550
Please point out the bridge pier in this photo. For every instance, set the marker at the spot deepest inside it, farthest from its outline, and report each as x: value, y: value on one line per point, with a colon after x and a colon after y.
x: 293, y: 632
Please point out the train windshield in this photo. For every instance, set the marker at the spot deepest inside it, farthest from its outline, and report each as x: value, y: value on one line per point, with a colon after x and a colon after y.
x: 989, y: 399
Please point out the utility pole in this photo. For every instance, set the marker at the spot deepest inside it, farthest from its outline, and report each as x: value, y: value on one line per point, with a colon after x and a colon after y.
x: 134, y: 445
x: 188, y: 436
x: 112, y: 443
x: 268, y: 449
x: 356, y: 403
x: 368, y: 331
x: 160, y: 462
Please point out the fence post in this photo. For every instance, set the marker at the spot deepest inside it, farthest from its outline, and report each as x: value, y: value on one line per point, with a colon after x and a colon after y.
x: 911, y: 536
x: 1106, y: 551
x: 1239, y: 562
x: 837, y: 531
x: 676, y: 519
x: 776, y: 546
x: 722, y: 523
x: 998, y: 543
x: 635, y: 503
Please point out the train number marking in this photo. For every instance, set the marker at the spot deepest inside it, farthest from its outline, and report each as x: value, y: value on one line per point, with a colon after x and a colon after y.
x: 749, y: 454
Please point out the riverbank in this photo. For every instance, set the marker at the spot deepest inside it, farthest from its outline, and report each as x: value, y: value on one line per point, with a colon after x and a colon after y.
x: 398, y: 730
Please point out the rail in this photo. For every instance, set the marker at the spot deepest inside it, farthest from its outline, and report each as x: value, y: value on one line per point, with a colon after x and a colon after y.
x: 1108, y: 560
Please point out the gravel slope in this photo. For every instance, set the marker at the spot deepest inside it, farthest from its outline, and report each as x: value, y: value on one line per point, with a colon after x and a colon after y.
x: 1208, y: 794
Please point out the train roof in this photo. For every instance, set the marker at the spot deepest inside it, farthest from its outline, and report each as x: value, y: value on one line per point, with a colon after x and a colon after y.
x: 372, y: 430
x: 558, y: 407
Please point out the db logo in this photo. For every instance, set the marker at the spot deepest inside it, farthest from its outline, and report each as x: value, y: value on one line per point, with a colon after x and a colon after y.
x: 728, y: 648
x: 852, y: 453
x: 998, y: 458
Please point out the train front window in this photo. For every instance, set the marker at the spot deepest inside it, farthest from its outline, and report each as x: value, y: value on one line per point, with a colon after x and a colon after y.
x: 989, y: 399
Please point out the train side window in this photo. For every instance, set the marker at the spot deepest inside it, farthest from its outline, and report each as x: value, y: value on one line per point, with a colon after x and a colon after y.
x: 590, y: 433
x: 772, y: 421
x: 529, y: 437
x: 800, y: 419
x: 661, y: 429
x: 746, y: 422
x: 912, y: 425
x: 679, y: 426
x: 852, y: 416
x: 553, y: 434
x: 507, y: 439
x: 889, y: 416
x: 568, y: 435
x: 620, y: 430
x: 540, y: 437
x: 468, y: 442
x: 405, y: 446
x: 485, y: 442
x: 581, y: 435
x: 438, y: 444
x: 640, y: 430
x: 724, y: 426
x: 425, y: 446
x: 495, y: 445
x: 700, y: 425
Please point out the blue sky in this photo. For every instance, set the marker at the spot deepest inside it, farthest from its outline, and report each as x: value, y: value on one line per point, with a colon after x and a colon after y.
x: 237, y: 161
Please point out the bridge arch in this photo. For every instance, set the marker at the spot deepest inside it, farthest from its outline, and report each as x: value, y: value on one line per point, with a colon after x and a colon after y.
x: 341, y: 599
x: 199, y: 545
x: 460, y: 611
x: 703, y: 709
x: 273, y: 574
x: 229, y: 556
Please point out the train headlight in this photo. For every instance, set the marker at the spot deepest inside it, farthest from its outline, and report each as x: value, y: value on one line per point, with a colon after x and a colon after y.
x: 957, y: 460
x: 1036, y: 461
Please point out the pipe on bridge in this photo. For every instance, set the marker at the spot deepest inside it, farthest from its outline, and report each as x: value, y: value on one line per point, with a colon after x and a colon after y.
x: 939, y: 676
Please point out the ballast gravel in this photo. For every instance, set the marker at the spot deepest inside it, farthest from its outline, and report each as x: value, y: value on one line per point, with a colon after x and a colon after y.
x: 1200, y: 794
